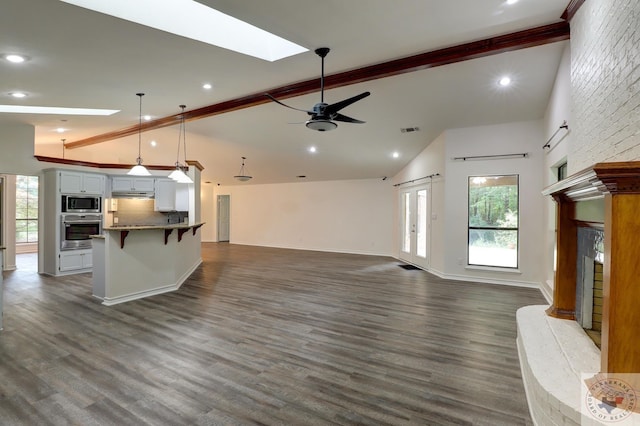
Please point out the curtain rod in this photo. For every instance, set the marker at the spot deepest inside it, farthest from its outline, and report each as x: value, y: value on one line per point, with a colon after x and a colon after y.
x: 473, y: 157
x: 564, y: 125
x: 424, y: 177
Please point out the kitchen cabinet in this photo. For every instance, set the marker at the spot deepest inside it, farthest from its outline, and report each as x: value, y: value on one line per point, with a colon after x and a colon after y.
x: 125, y: 183
x: 74, y: 260
x: 171, y: 196
x: 81, y: 183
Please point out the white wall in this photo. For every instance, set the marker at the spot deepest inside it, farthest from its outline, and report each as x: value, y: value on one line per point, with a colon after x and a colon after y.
x: 16, y: 150
x: 352, y: 216
x: 511, y: 138
x: 558, y: 111
x: 449, y: 202
x: 605, y: 78
x: 208, y: 213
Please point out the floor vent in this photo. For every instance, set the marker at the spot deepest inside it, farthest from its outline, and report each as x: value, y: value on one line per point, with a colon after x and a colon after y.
x: 409, y: 267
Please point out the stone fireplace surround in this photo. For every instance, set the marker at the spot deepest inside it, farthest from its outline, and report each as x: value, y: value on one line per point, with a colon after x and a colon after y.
x: 553, y: 348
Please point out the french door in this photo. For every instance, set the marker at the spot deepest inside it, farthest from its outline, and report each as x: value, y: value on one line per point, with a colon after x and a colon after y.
x: 415, y: 226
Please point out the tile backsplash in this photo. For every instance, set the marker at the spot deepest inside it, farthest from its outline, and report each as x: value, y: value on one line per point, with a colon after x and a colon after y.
x: 141, y: 212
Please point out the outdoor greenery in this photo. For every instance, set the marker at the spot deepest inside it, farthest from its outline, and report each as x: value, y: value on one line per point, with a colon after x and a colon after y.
x: 26, y: 209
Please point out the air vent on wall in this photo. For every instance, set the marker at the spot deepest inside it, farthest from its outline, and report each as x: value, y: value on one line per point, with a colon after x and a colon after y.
x: 410, y: 129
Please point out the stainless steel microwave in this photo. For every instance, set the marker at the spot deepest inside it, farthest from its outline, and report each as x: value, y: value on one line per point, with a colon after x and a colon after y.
x: 81, y: 204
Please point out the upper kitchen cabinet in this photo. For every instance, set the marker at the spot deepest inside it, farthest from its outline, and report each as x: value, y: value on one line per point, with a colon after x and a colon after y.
x: 171, y: 196
x: 81, y: 183
x: 126, y: 183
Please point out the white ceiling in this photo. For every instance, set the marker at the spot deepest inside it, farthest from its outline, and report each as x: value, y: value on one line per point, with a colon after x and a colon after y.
x: 80, y: 58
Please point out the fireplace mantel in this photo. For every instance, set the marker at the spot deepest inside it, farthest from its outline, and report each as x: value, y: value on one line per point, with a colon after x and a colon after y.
x: 618, y: 185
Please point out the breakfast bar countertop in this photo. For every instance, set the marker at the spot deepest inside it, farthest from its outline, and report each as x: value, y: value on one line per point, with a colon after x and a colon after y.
x: 181, y: 225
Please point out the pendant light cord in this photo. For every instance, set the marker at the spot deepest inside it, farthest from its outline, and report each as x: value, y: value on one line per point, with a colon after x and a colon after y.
x: 183, y: 130
x: 322, y: 82
x: 139, y: 159
x: 184, y: 136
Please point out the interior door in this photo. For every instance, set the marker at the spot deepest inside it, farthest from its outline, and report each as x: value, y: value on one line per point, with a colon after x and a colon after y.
x: 415, y: 226
x: 223, y: 217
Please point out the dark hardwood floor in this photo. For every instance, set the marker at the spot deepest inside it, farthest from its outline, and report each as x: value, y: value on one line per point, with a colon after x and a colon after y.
x: 265, y: 336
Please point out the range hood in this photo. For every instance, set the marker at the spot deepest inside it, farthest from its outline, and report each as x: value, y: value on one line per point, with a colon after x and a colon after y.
x: 133, y: 194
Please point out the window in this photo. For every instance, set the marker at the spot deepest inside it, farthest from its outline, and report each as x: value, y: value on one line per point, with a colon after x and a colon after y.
x: 26, y: 209
x: 562, y: 171
x: 493, y: 221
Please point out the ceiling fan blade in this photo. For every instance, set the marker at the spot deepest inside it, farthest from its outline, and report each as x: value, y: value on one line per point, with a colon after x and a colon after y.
x: 344, y: 118
x: 285, y: 105
x: 334, y: 108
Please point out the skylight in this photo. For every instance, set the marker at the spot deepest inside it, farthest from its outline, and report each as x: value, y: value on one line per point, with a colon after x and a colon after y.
x: 188, y: 18
x: 19, y: 109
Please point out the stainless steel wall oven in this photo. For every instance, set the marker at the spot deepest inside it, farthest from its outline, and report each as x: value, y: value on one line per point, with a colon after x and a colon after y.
x: 76, y: 230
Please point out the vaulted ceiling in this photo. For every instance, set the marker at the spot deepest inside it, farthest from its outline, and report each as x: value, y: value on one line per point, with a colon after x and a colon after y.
x: 80, y: 58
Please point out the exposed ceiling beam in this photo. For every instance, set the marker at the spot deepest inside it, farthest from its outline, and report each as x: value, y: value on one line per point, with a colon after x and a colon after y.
x: 571, y: 9
x: 477, y: 49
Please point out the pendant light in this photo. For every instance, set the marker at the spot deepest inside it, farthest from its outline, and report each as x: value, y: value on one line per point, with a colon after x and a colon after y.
x: 241, y: 176
x: 139, y: 169
x: 178, y: 174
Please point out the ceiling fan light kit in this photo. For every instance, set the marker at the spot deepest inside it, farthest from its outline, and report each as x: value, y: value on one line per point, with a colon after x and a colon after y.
x: 139, y: 169
x: 323, y: 115
x: 321, y: 125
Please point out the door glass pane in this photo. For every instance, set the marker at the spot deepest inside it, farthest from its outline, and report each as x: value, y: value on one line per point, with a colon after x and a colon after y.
x: 421, y: 219
x: 406, y: 222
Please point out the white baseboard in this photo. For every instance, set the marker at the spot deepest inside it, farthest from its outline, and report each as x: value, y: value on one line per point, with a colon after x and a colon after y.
x: 514, y: 283
x: 323, y: 249
x: 547, y: 291
x: 499, y: 281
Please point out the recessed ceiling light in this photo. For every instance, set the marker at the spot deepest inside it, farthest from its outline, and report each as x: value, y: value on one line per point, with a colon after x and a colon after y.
x: 504, y: 81
x: 207, y: 86
x: 16, y: 59
x: 18, y: 94
x: 512, y: 1
x: 312, y: 149
x: 60, y: 130
x: 153, y: 143
x: 19, y: 109
x: 395, y: 154
x: 198, y: 22
x: 147, y: 117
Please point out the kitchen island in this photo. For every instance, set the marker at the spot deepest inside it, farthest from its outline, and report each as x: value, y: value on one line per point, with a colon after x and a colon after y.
x: 132, y: 262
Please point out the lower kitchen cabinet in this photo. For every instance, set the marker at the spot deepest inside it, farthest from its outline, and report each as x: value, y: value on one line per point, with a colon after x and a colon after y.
x: 75, y: 260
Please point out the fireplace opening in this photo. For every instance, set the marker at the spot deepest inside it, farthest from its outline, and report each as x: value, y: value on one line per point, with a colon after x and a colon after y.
x: 589, y: 285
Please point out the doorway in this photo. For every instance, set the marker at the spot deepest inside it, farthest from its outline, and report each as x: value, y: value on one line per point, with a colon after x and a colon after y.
x: 20, y: 221
x: 415, y: 235
x: 223, y: 218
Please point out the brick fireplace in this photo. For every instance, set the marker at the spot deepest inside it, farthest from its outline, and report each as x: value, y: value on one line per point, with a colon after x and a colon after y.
x: 598, y: 244
x: 612, y: 190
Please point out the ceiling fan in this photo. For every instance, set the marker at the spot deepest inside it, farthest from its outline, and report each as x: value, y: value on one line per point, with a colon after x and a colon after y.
x: 324, y: 115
